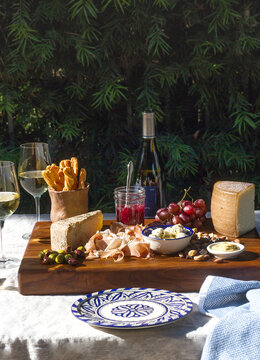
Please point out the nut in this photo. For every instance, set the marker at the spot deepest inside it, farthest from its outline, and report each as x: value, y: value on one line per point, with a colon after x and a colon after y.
x: 192, y: 253
x: 218, y: 260
x: 237, y: 241
x: 199, y: 258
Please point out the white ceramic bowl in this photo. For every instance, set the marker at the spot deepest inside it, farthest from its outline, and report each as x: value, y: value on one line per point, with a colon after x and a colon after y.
x: 226, y: 255
x: 166, y: 246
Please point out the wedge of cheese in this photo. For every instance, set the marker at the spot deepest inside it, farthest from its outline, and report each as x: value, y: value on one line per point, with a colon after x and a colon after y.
x: 232, y: 207
x: 75, y: 231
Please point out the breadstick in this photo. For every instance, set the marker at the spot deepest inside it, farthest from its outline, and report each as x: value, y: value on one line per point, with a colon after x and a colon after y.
x: 70, y: 180
x: 54, y: 170
x: 62, y: 164
x: 61, y: 177
x: 75, y: 165
x: 82, y: 178
x: 65, y: 163
x: 46, y: 174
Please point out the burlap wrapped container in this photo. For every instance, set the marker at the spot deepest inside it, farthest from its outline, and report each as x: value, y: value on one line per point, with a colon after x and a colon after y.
x: 65, y: 204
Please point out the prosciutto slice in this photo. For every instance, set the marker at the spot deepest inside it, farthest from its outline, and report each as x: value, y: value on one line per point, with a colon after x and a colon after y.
x: 119, y: 242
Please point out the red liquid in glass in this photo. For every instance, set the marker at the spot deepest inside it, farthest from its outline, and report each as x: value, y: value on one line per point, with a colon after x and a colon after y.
x: 130, y: 215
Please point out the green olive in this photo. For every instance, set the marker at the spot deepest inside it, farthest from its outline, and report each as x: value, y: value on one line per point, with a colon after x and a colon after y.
x: 61, y: 251
x: 41, y: 255
x: 45, y: 250
x: 67, y: 257
x: 81, y: 248
x: 52, y: 258
x: 59, y: 259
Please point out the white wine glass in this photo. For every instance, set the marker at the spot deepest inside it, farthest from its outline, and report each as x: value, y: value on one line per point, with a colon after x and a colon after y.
x: 9, y: 201
x: 34, y: 158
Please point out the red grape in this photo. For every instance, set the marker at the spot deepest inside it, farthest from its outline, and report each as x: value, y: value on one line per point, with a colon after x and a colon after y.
x: 176, y: 220
x: 188, y: 209
x: 173, y: 208
x: 204, y: 209
x: 192, y: 217
x: 202, y: 219
x: 164, y: 215
x: 199, y: 203
x: 185, y: 203
x: 159, y: 210
x: 185, y: 218
x: 189, y: 225
x: 157, y: 218
x: 197, y: 223
x: 198, y: 212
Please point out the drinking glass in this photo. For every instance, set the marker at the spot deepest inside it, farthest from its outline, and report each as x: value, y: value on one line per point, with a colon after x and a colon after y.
x: 9, y: 201
x: 34, y: 157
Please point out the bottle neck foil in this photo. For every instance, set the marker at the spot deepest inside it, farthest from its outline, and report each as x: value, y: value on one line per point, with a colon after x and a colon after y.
x: 148, y: 125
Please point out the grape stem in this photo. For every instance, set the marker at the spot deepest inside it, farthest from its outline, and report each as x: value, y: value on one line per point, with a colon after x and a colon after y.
x: 186, y: 192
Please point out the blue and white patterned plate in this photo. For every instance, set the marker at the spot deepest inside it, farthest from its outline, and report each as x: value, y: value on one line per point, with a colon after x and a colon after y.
x: 131, y: 308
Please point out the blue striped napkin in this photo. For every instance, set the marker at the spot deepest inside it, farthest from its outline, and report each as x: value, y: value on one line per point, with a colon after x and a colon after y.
x: 236, y: 304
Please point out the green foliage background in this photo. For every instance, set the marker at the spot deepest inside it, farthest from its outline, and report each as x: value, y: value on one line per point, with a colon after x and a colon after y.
x: 78, y: 74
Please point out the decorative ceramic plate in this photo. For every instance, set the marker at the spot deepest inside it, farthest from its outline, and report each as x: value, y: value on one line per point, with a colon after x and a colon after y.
x: 131, y: 308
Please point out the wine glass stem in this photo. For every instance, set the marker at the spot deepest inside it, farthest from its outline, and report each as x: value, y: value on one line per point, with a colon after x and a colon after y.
x: 2, y: 257
x: 38, y: 209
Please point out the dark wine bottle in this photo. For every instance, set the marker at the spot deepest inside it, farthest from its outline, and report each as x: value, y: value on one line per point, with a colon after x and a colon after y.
x: 149, y: 170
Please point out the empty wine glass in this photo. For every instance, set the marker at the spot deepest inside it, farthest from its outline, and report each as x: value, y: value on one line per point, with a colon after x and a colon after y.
x: 34, y: 157
x: 9, y: 201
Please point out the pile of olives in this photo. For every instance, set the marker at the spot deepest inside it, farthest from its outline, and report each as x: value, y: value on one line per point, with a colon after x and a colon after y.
x: 68, y: 256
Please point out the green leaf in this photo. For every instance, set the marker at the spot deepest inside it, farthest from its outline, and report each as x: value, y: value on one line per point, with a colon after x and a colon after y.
x: 84, y: 8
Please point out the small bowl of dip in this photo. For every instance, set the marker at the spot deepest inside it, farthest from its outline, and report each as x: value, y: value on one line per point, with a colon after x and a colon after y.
x: 225, y: 249
x: 167, y: 239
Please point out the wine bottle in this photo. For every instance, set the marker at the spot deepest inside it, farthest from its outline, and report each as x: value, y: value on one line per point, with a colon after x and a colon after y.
x: 149, y: 171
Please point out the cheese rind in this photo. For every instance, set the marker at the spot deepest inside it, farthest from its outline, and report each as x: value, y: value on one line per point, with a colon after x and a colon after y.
x: 75, y: 231
x: 232, y: 207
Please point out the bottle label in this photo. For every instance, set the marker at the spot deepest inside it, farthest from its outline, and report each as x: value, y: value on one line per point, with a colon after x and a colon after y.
x: 150, y: 201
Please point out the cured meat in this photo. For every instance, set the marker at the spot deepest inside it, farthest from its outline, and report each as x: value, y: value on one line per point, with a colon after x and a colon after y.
x: 122, y: 241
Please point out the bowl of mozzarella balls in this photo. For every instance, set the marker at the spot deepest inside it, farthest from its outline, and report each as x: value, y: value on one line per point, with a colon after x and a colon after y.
x: 167, y: 239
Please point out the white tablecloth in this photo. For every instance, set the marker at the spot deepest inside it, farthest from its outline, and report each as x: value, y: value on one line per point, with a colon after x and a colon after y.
x: 43, y: 327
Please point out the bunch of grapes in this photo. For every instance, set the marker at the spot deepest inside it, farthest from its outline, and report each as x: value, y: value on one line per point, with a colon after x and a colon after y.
x: 185, y: 212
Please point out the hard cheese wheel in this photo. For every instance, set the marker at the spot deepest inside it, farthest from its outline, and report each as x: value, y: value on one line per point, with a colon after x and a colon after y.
x: 232, y: 207
x: 75, y: 231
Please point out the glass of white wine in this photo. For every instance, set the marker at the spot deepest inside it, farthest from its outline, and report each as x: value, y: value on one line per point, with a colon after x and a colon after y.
x: 34, y: 157
x: 9, y: 201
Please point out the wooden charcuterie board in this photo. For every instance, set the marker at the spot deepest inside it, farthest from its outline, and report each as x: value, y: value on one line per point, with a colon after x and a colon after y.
x: 164, y: 272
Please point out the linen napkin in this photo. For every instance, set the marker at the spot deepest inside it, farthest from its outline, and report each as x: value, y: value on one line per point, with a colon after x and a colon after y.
x: 237, y: 306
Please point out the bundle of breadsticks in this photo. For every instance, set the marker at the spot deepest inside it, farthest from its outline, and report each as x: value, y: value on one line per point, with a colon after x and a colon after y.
x: 65, y: 176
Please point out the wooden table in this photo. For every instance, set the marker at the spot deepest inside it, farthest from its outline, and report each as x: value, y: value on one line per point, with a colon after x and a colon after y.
x: 166, y: 272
